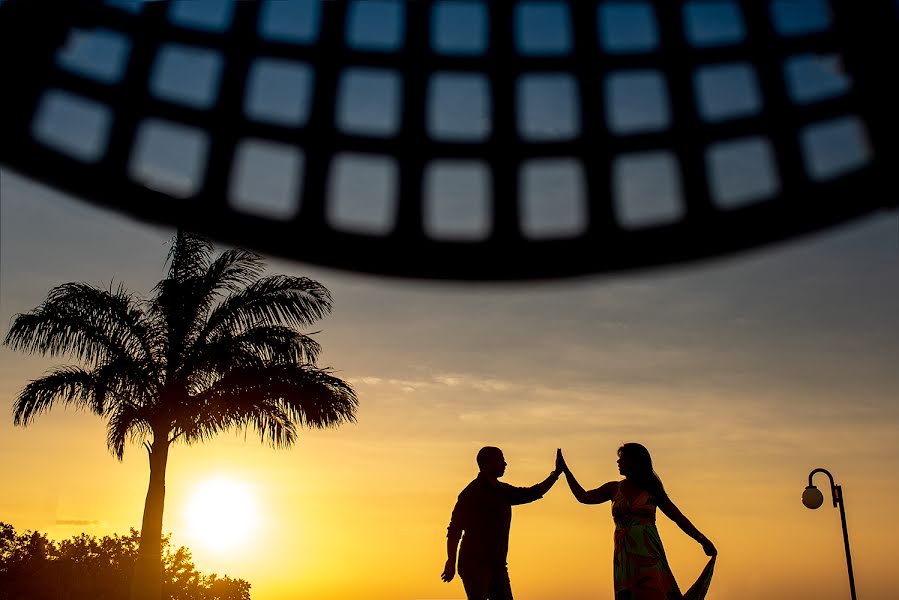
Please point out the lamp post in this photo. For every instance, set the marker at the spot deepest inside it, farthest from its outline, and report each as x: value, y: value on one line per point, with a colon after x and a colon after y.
x: 813, y: 498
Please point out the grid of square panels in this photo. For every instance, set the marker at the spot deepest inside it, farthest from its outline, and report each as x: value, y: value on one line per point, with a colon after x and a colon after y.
x: 581, y: 98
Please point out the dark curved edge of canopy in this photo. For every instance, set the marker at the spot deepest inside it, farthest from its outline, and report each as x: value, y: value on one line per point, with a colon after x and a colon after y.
x: 495, y: 260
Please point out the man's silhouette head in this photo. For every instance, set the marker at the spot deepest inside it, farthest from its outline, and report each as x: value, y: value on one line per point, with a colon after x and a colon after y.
x: 491, y: 461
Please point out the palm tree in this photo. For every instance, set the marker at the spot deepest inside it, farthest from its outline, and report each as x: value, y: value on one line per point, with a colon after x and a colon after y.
x: 218, y: 346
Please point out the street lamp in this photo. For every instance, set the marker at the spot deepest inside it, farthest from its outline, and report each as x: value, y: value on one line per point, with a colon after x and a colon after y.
x: 813, y: 498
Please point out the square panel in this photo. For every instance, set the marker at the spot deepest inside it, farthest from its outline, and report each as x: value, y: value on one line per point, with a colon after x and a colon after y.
x: 727, y: 91
x: 542, y: 28
x: 376, y: 25
x: 636, y: 102
x: 279, y: 91
x: 647, y: 189
x: 266, y: 179
x: 73, y: 125
x: 458, y: 106
x: 205, y: 15
x: 741, y: 172
x: 709, y: 23
x: 368, y: 102
x: 169, y: 157
x: 459, y: 27
x: 457, y: 205
x: 627, y: 27
x: 553, y: 200
x: 187, y: 75
x: 100, y: 54
x: 834, y: 148
x: 815, y: 77
x: 800, y: 17
x: 548, y: 107
x: 291, y: 21
x: 362, y: 194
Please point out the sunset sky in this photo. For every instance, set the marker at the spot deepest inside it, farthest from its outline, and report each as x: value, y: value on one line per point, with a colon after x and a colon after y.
x: 740, y: 374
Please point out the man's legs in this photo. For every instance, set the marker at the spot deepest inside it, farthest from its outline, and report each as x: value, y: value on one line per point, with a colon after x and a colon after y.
x: 486, y: 582
x: 500, y: 586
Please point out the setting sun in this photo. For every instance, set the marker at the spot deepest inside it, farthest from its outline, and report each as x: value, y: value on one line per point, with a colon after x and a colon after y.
x: 221, y: 513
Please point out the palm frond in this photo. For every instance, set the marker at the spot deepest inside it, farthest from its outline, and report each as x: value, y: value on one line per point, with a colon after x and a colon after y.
x: 273, y: 300
x: 176, y: 308
x: 233, y: 270
x: 69, y: 385
x: 278, y: 344
x: 176, y: 298
x: 128, y: 380
x: 126, y: 421
x: 271, y: 421
x: 274, y: 426
x: 87, y: 322
x: 316, y: 398
x: 188, y: 256
x: 183, y: 301
x: 256, y: 347
x: 274, y: 400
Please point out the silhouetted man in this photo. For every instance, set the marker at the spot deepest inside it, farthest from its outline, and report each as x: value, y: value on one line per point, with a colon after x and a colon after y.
x: 484, y: 512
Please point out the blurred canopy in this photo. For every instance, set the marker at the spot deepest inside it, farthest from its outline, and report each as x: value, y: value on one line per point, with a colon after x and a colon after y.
x: 462, y: 140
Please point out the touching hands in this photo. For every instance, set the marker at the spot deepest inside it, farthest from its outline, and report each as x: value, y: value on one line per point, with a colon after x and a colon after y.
x: 449, y: 571
x: 561, y: 467
x: 708, y: 547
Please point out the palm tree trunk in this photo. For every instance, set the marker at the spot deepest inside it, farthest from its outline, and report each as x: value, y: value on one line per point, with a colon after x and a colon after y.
x: 147, y: 581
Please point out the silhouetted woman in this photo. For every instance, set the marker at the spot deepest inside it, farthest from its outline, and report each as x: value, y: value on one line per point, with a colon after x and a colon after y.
x: 641, y: 571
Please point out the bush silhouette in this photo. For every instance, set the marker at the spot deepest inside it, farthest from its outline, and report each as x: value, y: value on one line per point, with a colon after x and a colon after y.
x: 33, y: 567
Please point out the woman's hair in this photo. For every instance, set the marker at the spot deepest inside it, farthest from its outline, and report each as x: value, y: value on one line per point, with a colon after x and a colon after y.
x: 641, y: 472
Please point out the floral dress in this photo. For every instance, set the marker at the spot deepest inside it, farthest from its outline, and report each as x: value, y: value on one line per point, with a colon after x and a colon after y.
x: 641, y: 570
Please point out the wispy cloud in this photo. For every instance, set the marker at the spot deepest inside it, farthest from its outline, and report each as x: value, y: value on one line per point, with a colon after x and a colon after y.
x: 78, y: 522
x: 443, y: 380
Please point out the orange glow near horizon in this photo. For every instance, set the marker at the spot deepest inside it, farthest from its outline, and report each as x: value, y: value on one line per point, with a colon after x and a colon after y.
x: 347, y: 515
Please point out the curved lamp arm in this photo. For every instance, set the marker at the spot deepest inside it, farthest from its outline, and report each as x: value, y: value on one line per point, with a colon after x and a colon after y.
x: 835, y: 490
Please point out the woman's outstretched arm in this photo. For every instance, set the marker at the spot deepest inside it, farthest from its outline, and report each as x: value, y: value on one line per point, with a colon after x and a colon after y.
x: 597, y: 496
x: 673, y: 512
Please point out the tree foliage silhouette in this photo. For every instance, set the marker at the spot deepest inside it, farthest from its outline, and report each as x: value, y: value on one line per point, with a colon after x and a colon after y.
x: 83, y: 567
x: 217, y: 346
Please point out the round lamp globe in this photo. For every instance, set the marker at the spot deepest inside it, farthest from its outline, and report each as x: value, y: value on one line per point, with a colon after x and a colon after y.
x: 812, y: 497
